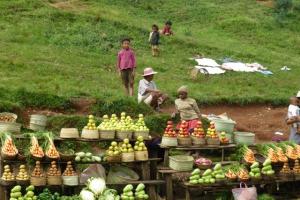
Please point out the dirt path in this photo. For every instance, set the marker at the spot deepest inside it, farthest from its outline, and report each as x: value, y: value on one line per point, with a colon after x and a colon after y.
x: 260, y: 119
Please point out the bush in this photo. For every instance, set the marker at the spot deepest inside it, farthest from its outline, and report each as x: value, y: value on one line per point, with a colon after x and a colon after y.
x: 283, y: 5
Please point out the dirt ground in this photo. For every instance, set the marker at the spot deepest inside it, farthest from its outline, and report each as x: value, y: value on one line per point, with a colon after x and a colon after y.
x: 260, y: 119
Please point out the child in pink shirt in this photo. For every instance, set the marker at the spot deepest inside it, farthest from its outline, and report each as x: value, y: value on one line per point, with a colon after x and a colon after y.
x: 126, y: 66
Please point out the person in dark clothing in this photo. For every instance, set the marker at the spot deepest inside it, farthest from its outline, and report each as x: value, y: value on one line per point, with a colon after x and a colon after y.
x: 154, y: 40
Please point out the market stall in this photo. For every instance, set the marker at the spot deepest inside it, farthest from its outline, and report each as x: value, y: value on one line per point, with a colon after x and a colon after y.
x: 123, y: 166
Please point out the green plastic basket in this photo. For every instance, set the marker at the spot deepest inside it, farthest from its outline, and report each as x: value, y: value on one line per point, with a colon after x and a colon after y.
x: 244, y: 138
x: 224, y: 125
x: 181, y: 162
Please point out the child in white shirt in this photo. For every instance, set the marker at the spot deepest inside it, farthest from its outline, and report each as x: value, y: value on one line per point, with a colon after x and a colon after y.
x: 294, y: 111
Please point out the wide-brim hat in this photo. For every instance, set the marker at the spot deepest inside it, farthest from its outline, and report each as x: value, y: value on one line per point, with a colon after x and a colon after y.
x: 149, y: 71
x: 298, y: 94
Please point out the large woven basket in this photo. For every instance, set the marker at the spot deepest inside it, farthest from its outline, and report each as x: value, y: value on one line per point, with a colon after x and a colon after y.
x: 107, y: 134
x: 38, y: 181
x: 184, y: 141
x: 141, y: 155
x: 54, y: 180
x: 8, y: 117
x: 11, y: 127
x: 197, y: 141
x: 69, y: 133
x: 67, y: 157
x: 144, y: 134
x: 128, y: 157
x: 213, y: 141
x: 38, y: 122
x: 70, y: 180
x: 181, y: 162
x: 117, y: 158
x: 7, y: 157
x: 169, y: 141
x: 124, y: 134
x: 90, y: 134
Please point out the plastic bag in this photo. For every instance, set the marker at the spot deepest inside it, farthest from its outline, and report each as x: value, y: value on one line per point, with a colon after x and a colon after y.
x: 94, y: 170
x: 121, y: 174
x: 244, y: 193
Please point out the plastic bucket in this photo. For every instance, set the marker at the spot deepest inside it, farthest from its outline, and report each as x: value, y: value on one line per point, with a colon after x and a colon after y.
x: 38, y: 122
x: 244, y: 138
x: 224, y: 125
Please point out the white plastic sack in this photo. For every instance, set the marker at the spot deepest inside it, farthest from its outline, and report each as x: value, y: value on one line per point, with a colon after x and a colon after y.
x: 94, y: 170
x: 210, y: 70
x: 207, y: 62
x: 244, y: 193
x: 237, y: 67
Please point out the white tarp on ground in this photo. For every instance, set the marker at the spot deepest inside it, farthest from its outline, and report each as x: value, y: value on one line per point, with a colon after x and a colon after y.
x: 210, y: 66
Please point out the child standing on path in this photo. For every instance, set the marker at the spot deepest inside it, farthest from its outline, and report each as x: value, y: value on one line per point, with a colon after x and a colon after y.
x: 126, y: 66
x: 154, y: 40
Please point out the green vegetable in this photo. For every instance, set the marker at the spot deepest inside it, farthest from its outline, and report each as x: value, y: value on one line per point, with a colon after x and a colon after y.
x: 128, y: 188
x: 15, y: 194
x: 257, y: 175
x: 194, y: 177
x: 80, y: 154
x: 220, y: 176
x: 11, y: 198
x: 254, y: 165
x: 255, y: 170
x: 270, y: 172
x: 206, y: 180
x: 30, y: 194
x: 267, y: 162
x: 217, y: 167
x: 77, y: 158
x: 196, y: 171
x: 201, y: 181
x: 193, y: 182
x: 267, y: 168
x: 207, y: 172
x: 212, y: 180
x: 16, y: 189
x: 89, y: 154
x: 20, y: 198
x: 251, y: 174
x: 140, y: 187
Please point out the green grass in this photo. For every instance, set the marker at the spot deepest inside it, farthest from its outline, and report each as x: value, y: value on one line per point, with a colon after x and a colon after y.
x: 72, y: 51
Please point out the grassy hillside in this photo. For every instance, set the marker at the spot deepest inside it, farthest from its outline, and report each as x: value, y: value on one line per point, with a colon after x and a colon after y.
x: 68, y: 48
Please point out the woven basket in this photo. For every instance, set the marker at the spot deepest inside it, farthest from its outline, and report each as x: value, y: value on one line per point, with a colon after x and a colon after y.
x: 144, y: 134
x: 204, y: 167
x: 67, y: 157
x: 184, y: 141
x: 169, y: 141
x: 90, y: 134
x: 117, y: 158
x: 37, y: 158
x: 69, y: 133
x: 7, y: 183
x: 23, y: 182
x: 13, y: 117
x: 7, y: 157
x: 141, y: 155
x: 124, y: 134
x: 70, y: 180
x: 11, y: 127
x: 107, y: 134
x: 38, y: 181
x: 181, y: 162
x: 197, y: 141
x: 54, y: 180
x: 128, y: 157
x: 51, y: 159
x: 213, y: 141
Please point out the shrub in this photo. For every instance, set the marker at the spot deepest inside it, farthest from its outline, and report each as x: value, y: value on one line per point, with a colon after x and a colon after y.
x: 283, y: 5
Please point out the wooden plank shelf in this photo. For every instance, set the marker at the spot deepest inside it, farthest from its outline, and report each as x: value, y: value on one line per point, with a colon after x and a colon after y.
x: 203, y: 147
x: 21, y: 137
x: 79, y: 163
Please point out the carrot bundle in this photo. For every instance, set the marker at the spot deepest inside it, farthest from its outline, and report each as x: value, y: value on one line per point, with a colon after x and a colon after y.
x: 9, y: 147
x: 35, y: 149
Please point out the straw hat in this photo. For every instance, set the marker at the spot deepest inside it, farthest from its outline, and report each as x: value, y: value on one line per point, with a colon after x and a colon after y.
x: 149, y: 71
x: 182, y: 89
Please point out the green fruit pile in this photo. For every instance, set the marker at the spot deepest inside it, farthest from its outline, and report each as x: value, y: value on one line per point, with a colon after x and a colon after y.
x: 140, y: 192
x: 127, y: 193
x: 113, y: 150
x: 207, y: 177
x: 195, y: 177
x: 255, y: 171
x: 140, y: 124
x: 125, y: 123
x: 86, y: 157
x: 91, y: 123
x: 218, y: 172
x: 126, y: 146
x: 16, y: 194
x: 109, y: 124
x: 267, y: 168
x: 140, y: 145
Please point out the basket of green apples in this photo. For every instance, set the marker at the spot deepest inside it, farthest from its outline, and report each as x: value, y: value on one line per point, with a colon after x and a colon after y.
x: 140, y: 128
x: 108, y: 126
x: 113, y: 154
x: 127, y: 151
x: 90, y: 130
x: 125, y: 127
x: 141, y: 152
